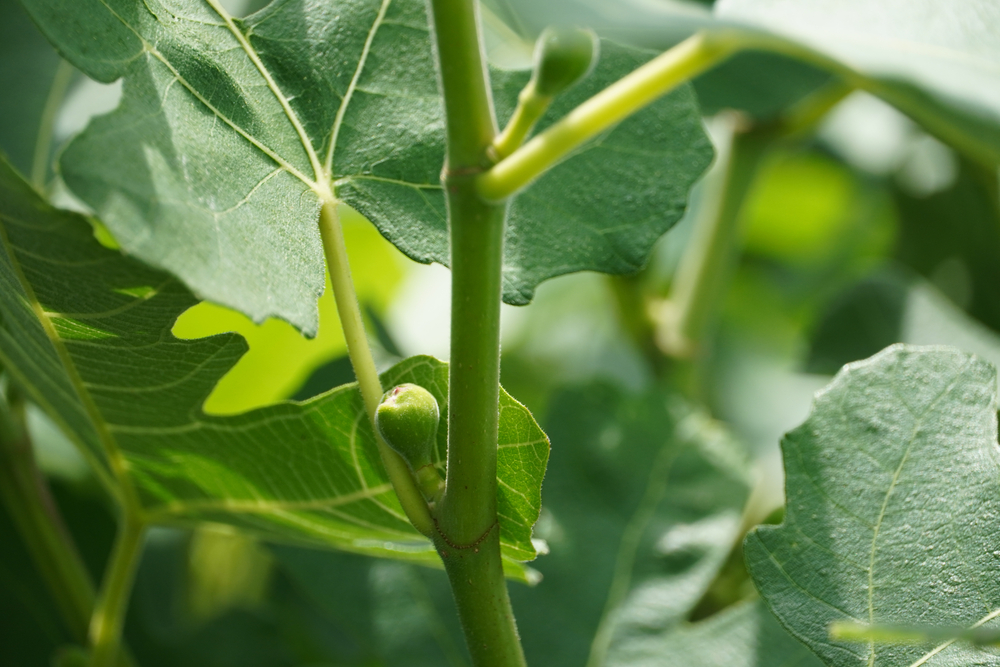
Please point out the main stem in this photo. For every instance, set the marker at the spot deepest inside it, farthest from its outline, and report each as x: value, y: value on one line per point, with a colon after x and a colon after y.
x: 108, y: 619
x: 468, y: 533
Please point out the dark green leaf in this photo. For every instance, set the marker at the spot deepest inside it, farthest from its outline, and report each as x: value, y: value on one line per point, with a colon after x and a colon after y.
x: 759, y: 84
x: 228, y: 132
x: 86, y: 331
x: 642, y: 506
x: 602, y: 209
x: 891, y: 488
x: 32, y: 627
x: 952, y: 236
x: 889, y: 307
x: 379, y: 612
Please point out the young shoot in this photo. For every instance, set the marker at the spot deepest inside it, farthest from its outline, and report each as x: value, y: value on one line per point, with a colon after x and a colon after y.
x: 563, y: 56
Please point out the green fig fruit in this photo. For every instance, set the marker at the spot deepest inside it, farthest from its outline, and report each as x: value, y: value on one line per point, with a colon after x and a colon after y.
x: 563, y: 56
x: 407, y: 419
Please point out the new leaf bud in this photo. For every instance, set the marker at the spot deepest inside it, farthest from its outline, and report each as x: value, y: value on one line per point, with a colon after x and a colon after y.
x: 563, y: 56
x: 407, y: 419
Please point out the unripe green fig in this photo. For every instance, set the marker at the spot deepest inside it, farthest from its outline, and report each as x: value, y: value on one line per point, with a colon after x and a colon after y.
x: 407, y: 419
x: 563, y: 56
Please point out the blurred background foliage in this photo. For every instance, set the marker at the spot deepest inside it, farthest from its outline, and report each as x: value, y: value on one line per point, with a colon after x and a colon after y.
x: 862, y: 232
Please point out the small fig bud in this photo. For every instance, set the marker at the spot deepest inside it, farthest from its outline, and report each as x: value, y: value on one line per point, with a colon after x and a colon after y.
x: 563, y: 56
x: 407, y: 419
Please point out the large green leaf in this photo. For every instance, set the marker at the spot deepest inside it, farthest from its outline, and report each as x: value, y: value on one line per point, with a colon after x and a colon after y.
x: 87, y: 332
x: 228, y: 129
x: 937, y: 60
x: 891, y: 487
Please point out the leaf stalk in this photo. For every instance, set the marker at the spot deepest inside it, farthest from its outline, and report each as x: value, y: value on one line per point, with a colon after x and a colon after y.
x: 360, y: 353
x: 687, y: 315
x: 108, y: 619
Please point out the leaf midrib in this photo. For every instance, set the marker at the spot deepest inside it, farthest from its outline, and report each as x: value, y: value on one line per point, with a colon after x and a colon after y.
x: 621, y: 578
x: 888, y: 494
x: 346, y: 100
x: 272, y: 86
x: 126, y: 491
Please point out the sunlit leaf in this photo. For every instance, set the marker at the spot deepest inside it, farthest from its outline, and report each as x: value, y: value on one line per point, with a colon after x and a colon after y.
x: 230, y: 130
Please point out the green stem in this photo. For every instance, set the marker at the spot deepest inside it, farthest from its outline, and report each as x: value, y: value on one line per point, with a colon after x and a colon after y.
x: 360, y: 353
x: 27, y: 499
x: 480, y: 590
x: 530, y: 107
x: 608, y: 107
x: 46, y: 126
x: 707, y: 261
x: 468, y: 509
x: 108, y: 619
x: 470, y: 121
x: 469, y: 535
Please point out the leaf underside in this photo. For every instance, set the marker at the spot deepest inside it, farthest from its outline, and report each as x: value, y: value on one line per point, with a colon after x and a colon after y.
x: 938, y: 61
x: 227, y: 129
x: 86, y: 331
x: 892, y: 506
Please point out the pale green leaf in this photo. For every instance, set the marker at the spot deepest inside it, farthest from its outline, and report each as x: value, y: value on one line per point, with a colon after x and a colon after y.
x: 746, y: 635
x: 937, y: 60
x: 891, y: 488
x: 227, y: 131
x: 86, y: 331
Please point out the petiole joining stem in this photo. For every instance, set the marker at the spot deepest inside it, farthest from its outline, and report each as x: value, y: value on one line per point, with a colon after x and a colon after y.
x: 608, y: 107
